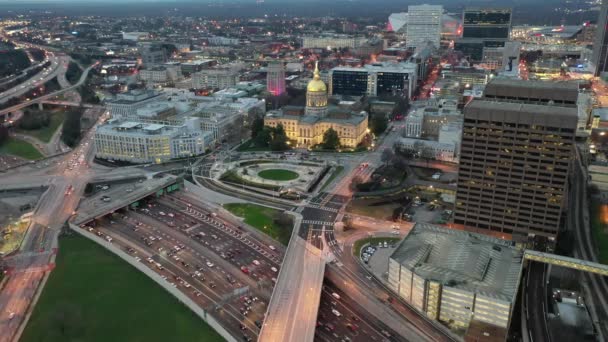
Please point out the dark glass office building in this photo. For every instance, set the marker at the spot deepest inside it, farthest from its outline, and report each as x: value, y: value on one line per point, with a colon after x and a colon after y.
x: 391, y: 82
x: 349, y: 82
x: 483, y: 29
x: 490, y: 23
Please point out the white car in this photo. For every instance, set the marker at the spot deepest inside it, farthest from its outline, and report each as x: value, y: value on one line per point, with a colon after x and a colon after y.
x: 210, y: 264
x: 274, y: 269
x: 255, y: 262
x: 336, y: 312
x: 272, y: 247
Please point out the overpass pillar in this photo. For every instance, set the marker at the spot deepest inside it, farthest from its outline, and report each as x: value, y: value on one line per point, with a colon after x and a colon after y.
x: 40, y: 106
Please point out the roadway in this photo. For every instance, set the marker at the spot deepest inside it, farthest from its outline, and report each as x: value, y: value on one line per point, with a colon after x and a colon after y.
x: 184, y: 236
x: 58, y: 66
x: 578, y: 221
x: 29, y: 269
x: 24, y: 104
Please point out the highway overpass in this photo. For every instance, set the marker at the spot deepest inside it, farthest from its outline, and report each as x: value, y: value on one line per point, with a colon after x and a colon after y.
x: 83, y: 77
x: 293, y: 308
x: 122, y: 196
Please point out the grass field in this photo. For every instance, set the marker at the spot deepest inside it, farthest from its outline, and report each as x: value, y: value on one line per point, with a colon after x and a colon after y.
x: 94, y: 296
x: 20, y: 148
x: 263, y: 219
x: 232, y: 177
x: 373, y: 241
x: 599, y: 228
x: 46, y: 133
x: 278, y: 174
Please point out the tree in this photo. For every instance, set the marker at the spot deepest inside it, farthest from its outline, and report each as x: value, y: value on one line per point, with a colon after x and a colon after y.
x: 263, y: 138
x: 355, y: 182
x: 378, y: 124
x: 387, y: 156
x: 3, y: 134
x: 279, y: 139
x: 257, y: 125
x: 427, y: 153
x: 70, y: 133
x: 331, y: 140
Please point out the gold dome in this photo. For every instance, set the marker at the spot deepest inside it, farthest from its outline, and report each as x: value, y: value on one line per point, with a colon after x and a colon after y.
x: 316, y: 85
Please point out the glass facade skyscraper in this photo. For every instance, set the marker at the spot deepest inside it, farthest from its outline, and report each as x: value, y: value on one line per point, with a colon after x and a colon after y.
x: 600, y: 46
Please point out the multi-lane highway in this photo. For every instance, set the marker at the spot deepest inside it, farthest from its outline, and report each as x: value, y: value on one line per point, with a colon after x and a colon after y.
x: 211, y: 257
x: 58, y: 66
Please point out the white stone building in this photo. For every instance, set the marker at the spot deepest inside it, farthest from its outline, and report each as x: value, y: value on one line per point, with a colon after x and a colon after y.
x: 150, y: 142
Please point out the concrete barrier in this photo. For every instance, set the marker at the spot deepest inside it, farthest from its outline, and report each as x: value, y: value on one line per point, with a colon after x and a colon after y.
x: 160, y: 281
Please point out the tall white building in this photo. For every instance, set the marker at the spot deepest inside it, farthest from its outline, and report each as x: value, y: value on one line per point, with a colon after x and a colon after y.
x: 424, y: 25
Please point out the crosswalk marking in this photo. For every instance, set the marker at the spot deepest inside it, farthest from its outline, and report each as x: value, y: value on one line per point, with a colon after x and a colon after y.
x: 316, y: 206
x: 320, y: 223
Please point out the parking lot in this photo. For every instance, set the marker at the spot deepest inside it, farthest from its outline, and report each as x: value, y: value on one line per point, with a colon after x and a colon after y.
x: 224, y: 269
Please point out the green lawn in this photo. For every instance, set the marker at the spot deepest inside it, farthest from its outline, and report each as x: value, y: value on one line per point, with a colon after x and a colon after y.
x: 94, y: 296
x: 278, y: 174
x: 46, y: 133
x: 599, y: 227
x: 20, y: 148
x: 333, y: 176
x: 232, y: 177
x: 263, y: 219
x: 373, y: 241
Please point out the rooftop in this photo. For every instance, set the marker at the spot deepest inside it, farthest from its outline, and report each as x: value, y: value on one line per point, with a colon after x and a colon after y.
x: 473, y: 262
x: 531, y: 114
x: 558, y: 91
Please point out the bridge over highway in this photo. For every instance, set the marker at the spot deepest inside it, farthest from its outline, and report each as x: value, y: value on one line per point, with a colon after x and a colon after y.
x: 558, y: 260
x: 122, y: 196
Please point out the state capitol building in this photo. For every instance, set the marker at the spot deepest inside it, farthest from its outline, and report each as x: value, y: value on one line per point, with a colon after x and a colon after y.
x: 307, y: 125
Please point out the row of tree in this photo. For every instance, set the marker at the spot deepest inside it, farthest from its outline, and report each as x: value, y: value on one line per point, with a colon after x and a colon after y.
x: 71, y: 130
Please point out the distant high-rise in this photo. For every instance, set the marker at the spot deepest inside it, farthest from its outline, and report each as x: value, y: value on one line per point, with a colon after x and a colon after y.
x: 600, y: 46
x: 493, y: 23
x: 515, y: 157
x: 484, y: 34
x: 153, y: 55
x: 423, y: 25
x: 275, y: 78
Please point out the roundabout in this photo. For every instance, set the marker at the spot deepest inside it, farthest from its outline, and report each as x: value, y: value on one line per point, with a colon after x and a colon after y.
x: 278, y: 174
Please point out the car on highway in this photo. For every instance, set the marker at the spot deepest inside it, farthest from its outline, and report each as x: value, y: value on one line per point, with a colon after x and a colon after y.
x: 255, y: 262
x: 210, y: 264
x: 244, y: 269
x: 336, y: 312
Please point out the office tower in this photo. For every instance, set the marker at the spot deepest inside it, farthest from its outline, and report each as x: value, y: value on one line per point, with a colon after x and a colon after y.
x: 484, y: 34
x: 423, y: 25
x: 275, y: 78
x: 374, y: 79
x: 492, y: 23
x: 600, y: 46
x: 517, y: 145
x: 153, y: 55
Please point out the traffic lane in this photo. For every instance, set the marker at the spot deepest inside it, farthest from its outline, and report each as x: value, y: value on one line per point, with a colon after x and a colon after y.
x: 211, y: 250
x: 353, y: 321
x: 198, y: 254
x: 194, y: 226
x: 175, y: 274
x: 226, y: 246
x: 353, y: 270
x: 194, y: 209
x: 536, y: 302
